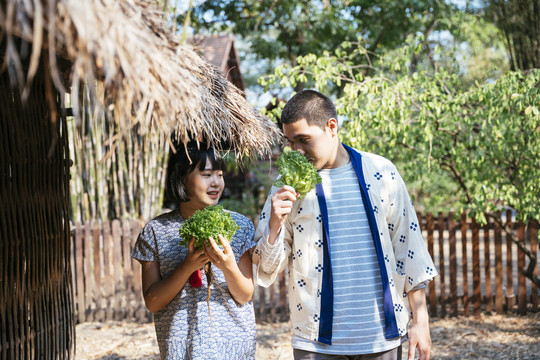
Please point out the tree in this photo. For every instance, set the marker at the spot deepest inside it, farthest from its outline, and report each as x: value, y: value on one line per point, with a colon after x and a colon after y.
x: 484, y: 138
x: 519, y: 20
x: 280, y: 31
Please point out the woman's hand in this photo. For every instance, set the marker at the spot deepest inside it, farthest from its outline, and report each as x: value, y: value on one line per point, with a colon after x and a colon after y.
x: 195, y: 259
x: 222, y: 259
x: 239, y: 276
x: 159, y: 292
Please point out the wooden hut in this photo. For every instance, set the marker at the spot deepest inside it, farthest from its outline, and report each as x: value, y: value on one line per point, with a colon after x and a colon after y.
x: 219, y: 50
x: 148, y: 81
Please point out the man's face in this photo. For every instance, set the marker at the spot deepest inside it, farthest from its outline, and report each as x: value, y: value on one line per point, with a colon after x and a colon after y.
x: 311, y: 140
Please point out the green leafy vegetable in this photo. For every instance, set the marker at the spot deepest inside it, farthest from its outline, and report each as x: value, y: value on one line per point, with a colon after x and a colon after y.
x: 209, y: 222
x: 297, y: 171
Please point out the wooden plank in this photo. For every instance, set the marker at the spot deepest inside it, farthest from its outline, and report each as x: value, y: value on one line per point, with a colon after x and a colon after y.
x: 262, y: 305
x: 442, y: 265
x: 510, y: 296
x: 88, y: 283
x: 453, y: 264
x: 73, y: 269
x: 499, y: 284
x: 272, y: 293
x: 117, y: 269
x: 464, y: 265
x: 522, y: 285
x: 488, y: 300
x: 432, y: 297
x: 477, y: 286
x: 107, y: 284
x: 80, y: 307
x: 140, y: 308
x: 99, y: 314
x: 533, y: 238
x: 128, y: 272
x: 283, y: 303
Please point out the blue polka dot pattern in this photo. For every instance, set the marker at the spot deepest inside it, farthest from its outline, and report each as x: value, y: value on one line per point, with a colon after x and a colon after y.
x: 183, y: 326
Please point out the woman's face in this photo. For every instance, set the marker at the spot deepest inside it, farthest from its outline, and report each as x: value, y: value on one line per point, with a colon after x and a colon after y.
x: 204, y: 187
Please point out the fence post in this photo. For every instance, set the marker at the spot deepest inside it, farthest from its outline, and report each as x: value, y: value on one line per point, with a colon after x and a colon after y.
x: 79, y: 266
x: 431, y: 286
x: 464, y: 265
x: 522, y: 285
x: 117, y: 269
x: 99, y: 312
x: 88, y: 283
x: 128, y: 274
x: 108, y: 279
x: 487, y: 267
x: 533, y: 237
x: 499, y: 293
x: 510, y: 296
x: 262, y: 305
x: 283, y: 303
x: 453, y: 265
x: 477, y: 286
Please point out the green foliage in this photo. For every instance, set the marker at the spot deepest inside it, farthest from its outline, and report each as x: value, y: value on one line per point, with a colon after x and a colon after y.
x: 297, y: 171
x: 280, y: 31
x: 484, y: 138
x: 209, y: 222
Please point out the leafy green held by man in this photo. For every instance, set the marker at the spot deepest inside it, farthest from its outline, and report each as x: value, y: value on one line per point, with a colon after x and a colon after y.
x: 297, y: 171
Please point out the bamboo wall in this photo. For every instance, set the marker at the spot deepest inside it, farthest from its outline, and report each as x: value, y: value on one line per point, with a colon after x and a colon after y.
x: 36, y: 317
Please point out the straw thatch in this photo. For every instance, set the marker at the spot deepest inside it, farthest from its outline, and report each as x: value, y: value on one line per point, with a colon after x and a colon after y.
x: 152, y: 82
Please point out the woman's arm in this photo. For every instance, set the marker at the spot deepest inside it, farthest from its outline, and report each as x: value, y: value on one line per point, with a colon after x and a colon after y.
x: 239, y: 276
x: 159, y: 292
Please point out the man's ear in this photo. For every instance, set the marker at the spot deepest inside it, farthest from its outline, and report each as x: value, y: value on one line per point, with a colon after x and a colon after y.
x: 332, y: 125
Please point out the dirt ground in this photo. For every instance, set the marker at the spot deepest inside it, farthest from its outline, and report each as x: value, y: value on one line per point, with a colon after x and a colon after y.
x: 488, y: 337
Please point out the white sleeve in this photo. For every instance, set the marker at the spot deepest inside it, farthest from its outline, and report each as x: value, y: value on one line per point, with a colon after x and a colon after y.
x: 270, y: 259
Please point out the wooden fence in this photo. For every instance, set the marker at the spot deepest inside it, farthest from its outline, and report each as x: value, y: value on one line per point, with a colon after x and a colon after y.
x: 478, y: 269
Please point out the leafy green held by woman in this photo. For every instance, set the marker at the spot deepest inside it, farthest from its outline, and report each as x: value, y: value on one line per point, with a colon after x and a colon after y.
x: 208, y: 223
x: 297, y: 171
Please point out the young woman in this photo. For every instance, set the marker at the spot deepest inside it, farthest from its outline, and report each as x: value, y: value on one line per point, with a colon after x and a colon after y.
x: 188, y: 325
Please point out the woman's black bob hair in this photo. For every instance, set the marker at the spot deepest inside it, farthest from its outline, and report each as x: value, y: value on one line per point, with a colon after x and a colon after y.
x: 187, y: 159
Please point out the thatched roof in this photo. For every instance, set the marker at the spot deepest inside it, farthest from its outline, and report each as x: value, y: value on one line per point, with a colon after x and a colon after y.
x: 126, y: 49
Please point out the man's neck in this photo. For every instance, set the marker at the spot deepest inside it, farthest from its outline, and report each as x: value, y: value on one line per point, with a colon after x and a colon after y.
x: 341, y: 158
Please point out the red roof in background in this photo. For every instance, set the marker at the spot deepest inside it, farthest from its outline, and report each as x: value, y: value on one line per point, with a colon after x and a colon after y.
x: 219, y: 50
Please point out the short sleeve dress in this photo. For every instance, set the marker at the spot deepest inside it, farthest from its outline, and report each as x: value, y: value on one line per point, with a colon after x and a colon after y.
x: 183, y: 327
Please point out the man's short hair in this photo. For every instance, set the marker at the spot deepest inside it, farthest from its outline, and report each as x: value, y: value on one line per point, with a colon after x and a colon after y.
x: 311, y: 105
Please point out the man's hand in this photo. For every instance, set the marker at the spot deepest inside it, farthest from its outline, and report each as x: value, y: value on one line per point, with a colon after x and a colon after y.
x: 282, y: 203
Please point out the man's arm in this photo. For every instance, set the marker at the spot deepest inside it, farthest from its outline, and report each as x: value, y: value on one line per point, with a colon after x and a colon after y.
x: 271, y: 251
x: 419, y: 337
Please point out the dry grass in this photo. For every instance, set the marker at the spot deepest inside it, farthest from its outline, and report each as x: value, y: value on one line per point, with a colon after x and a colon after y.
x: 135, y: 69
x: 489, y: 337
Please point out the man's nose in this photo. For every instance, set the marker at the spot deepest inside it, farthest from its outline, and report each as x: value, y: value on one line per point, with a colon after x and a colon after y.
x: 297, y: 147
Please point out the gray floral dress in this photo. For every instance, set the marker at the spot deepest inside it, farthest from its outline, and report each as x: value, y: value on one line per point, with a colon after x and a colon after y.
x: 183, y: 327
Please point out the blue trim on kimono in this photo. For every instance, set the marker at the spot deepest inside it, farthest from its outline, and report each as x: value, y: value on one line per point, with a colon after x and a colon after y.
x: 327, y: 293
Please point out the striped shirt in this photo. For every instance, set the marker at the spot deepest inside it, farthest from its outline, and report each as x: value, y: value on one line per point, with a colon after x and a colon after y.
x: 358, y: 323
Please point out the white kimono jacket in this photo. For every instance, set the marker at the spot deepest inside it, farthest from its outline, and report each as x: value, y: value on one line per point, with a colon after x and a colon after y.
x: 303, y: 244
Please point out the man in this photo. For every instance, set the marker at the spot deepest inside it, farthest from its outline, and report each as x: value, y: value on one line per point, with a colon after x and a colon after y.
x: 357, y: 261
